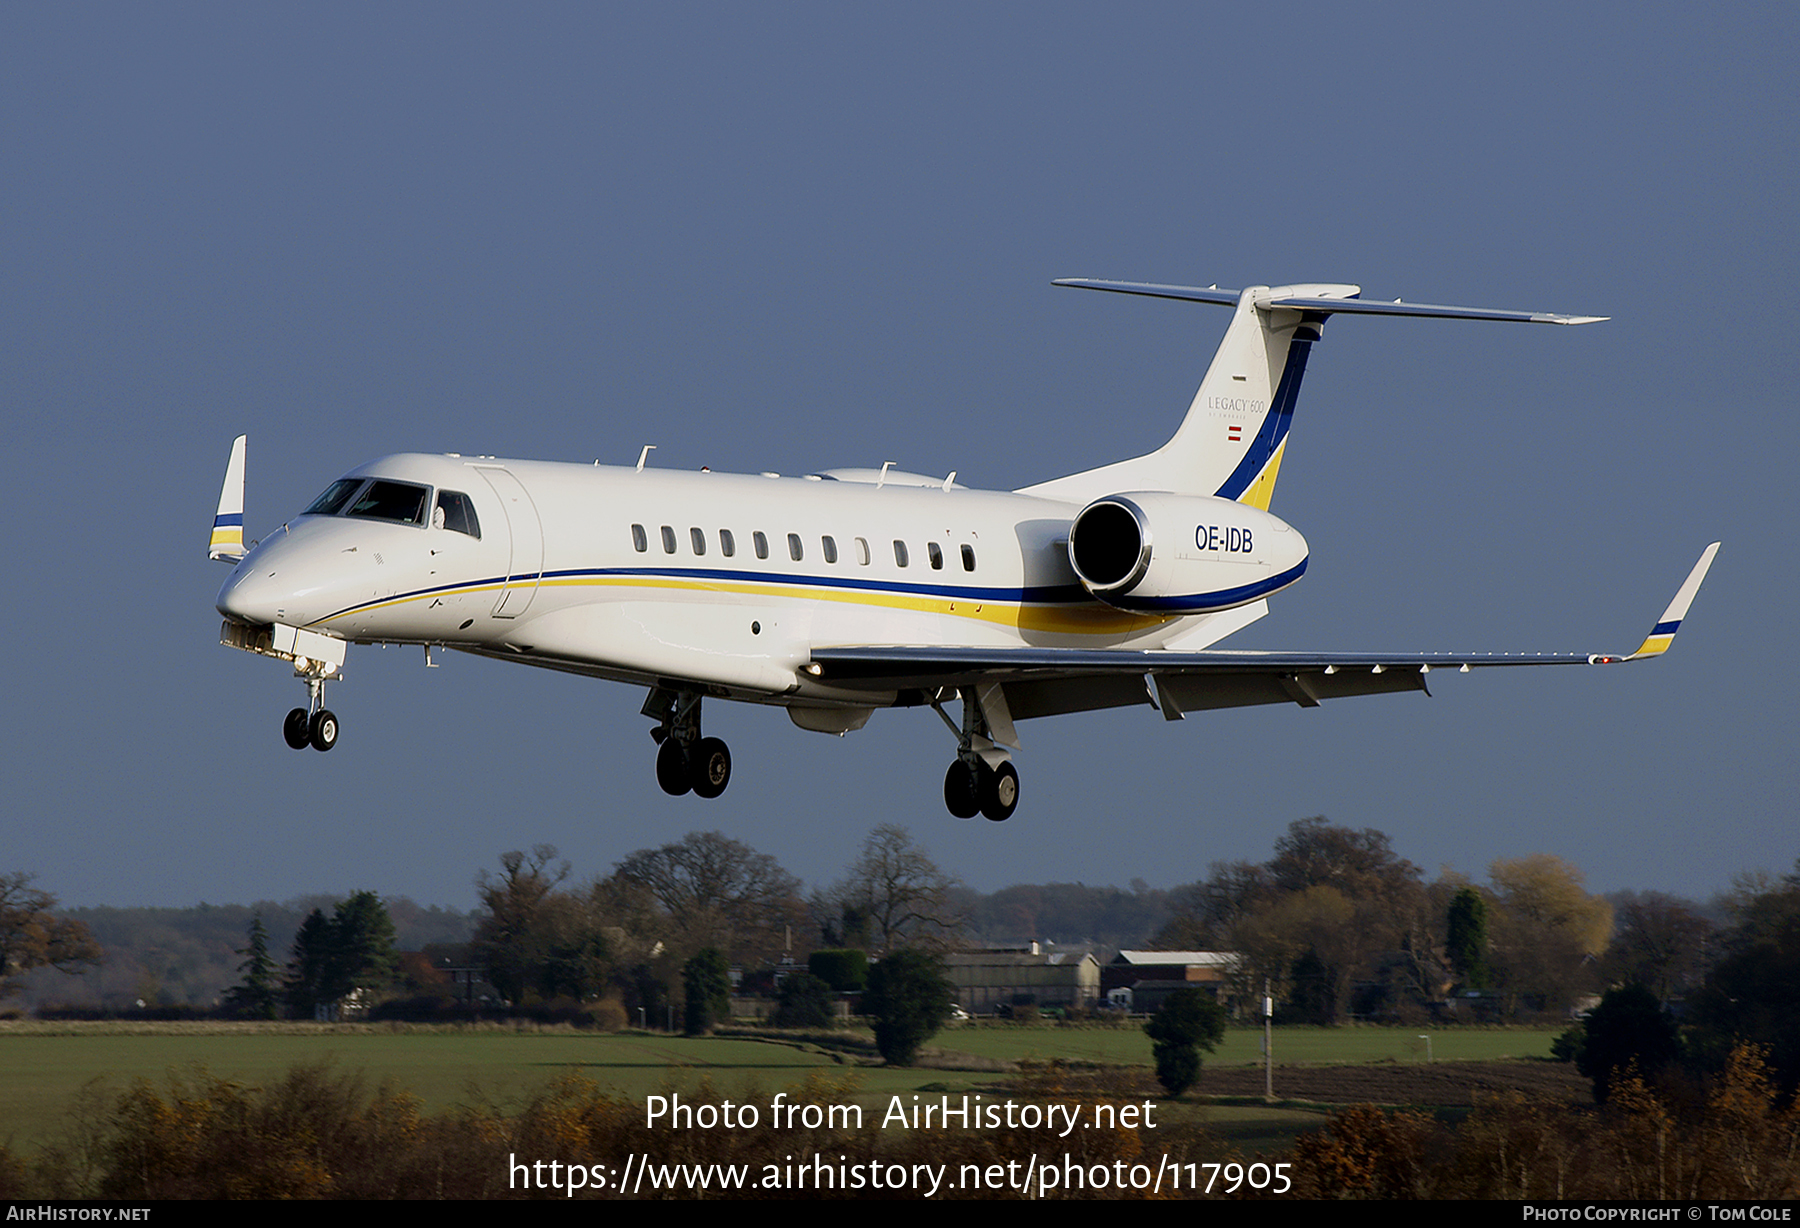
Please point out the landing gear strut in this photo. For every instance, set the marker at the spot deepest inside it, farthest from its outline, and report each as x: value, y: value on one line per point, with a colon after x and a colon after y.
x: 314, y: 725
x: 684, y: 760
x: 982, y: 780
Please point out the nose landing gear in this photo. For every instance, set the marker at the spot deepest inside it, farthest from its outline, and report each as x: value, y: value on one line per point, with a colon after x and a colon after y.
x: 685, y: 761
x: 314, y: 725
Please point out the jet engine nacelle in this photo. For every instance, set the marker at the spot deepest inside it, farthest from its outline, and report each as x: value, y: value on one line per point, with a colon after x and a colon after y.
x: 1151, y: 552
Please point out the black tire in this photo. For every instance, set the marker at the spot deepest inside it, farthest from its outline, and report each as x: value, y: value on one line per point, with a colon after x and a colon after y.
x: 296, y: 730
x: 1000, y: 792
x: 962, y: 791
x: 711, y: 765
x: 324, y: 729
x: 672, y: 768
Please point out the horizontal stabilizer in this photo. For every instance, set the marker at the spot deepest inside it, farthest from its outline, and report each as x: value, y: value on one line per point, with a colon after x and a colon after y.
x: 1298, y: 298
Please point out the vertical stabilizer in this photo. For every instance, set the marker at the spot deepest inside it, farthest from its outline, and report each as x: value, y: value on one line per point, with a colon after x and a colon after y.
x: 1234, y: 436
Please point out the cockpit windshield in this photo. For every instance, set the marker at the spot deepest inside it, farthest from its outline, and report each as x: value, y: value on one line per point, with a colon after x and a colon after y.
x: 336, y: 495
x: 373, y: 499
x: 398, y: 501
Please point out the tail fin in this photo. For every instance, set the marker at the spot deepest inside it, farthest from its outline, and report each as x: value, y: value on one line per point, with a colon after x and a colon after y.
x: 1233, y: 438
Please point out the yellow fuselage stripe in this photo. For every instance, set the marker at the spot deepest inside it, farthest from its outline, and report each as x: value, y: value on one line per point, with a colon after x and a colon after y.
x: 1090, y: 620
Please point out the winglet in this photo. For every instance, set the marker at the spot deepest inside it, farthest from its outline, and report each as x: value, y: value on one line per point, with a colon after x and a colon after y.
x: 1663, y: 633
x: 228, y: 525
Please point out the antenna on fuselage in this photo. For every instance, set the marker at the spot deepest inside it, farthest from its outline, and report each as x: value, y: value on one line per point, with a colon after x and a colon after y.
x: 882, y: 480
x: 645, y: 455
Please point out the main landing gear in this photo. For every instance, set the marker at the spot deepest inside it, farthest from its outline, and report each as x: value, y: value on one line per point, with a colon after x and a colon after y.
x: 982, y: 780
x: 972, y: 789
x: 314, y: 725
x: 684, y: 760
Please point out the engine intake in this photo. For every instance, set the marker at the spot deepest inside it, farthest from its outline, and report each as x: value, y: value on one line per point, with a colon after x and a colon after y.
x: 1109, y: 544
x: 1153, y: 552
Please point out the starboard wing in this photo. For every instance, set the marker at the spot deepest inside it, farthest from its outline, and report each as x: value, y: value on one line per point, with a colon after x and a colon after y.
x: 1048, y: 681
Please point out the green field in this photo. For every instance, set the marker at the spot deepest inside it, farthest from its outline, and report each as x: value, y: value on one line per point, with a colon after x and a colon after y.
x: 44, y: 1067
x: 1128, y: 1046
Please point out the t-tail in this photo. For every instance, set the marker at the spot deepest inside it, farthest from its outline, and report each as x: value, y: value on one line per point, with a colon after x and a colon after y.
x: 1231, y: 443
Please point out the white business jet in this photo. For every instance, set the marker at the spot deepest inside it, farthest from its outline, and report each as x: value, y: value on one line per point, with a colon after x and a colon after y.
x: 850, y: 590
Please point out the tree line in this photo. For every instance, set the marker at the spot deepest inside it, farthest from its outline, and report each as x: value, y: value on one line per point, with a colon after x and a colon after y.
x: 1334, y: 922
x: 1337, y: 924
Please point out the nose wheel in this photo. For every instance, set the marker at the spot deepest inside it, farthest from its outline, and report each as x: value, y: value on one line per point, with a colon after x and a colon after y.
x: 314, y: 725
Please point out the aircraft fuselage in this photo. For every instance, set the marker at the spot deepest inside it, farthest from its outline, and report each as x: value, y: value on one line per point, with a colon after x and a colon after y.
x: 722, y: 579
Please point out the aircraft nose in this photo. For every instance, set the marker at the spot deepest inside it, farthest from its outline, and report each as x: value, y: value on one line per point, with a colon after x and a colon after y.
x: 253, y: 595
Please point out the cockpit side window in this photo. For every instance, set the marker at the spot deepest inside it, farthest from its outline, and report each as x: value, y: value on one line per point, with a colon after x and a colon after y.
x: 401, y: 502
x: 335, y: 497
x: 458, y: 513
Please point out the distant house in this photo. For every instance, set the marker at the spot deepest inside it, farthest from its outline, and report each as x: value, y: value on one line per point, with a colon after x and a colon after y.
x: 1012, y: 975
x: 1140, y: 980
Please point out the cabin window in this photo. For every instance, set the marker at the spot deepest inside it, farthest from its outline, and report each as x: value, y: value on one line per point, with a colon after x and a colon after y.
x: 862, y: 551
x: 968, y: 553
x: 899, y: 553
x: 727, y: 543
x: 336, y: 495
x: 456, y: 511
x: 401, y: 502
x: 761, y: 543
x: 937, y: 556
x: 830, y: 545
x: 698, y: 538
x: 668, y: 536
x: 795, y: 550
x: 640, y: 541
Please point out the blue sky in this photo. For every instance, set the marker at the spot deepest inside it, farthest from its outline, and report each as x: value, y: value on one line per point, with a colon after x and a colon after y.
x: 789, y: 237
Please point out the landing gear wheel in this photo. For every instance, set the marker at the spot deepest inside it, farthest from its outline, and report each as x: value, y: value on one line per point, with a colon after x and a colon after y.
x: 297, y: 729
x: 711, y: 764
x: 962, y: 790
x: 672, y: 768
x: 999, y: 792
x: 323, y: 729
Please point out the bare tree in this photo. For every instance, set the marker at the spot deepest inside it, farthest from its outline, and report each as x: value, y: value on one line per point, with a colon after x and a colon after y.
x: 718, y: 891
x: 897, y: 892
x: 1660, y: 942
x: 31, y: 938
x: 512, y: 938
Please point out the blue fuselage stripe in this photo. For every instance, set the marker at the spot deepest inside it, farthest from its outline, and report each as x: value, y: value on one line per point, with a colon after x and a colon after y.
x: 1220, y: 599
x: 1063, y: 594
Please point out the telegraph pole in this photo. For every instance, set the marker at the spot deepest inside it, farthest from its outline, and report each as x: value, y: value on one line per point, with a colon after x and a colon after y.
x: 1268, y: 1005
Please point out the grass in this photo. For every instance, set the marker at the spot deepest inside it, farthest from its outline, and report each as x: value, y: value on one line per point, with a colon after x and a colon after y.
x: 43, y: 1067
x: 1128, y: 1046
